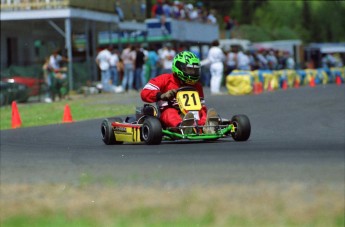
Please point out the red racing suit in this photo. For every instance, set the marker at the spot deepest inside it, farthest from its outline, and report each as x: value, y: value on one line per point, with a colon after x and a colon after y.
x: 170, y: 113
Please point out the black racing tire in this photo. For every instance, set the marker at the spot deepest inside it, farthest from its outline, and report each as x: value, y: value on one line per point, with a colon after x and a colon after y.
x: 151, y: 131
x: 242, y: 127
x: 107, y: 131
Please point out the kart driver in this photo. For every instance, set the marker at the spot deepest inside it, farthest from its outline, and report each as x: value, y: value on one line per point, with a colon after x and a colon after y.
x: 162, y: 89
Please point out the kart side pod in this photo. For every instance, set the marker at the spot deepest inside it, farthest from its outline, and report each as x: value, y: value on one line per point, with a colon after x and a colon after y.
x: 115, y: 131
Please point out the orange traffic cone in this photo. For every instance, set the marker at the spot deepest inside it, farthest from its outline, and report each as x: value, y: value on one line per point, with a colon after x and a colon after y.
x: 257, y: 88
x: 296, y: 83
x: 338, y: 80
x: 312, y: 82
x: 67, y: 116
x: 284, y: 85
x: 269, y: 87
x: 16, y: 121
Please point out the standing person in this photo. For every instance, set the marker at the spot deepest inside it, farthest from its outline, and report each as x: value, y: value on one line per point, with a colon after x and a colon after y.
x: 120, y: 70
x: 58, y: 73
x: 162, y: 89
x: 272, y: 60
x: 243, y: 61
x: 47, y: 71
x: 289, y: 61
x: 144, y: 72
x: 140, y: 80
x: 215, y: 58
x: 167, y: 56
x: 262, y: 61
x: 119, y: 11
x: 153, y: 61
x: 229, y: 25
x: 211, y: 18
x: 102, y: 61
x: 128, y: 58
x: 113, y: 62
x: 231, y: 60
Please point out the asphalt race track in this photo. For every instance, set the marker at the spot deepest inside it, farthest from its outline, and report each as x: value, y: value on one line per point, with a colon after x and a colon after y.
x: 298, y: 135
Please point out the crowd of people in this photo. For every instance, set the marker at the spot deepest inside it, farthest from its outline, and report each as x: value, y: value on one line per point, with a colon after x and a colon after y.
x: 259, y: 59
x: 131, y: 68
x: 181, y: 11
x: 330, y: 60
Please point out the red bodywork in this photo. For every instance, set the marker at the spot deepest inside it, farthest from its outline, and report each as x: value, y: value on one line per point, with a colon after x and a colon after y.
x: 124, y: 125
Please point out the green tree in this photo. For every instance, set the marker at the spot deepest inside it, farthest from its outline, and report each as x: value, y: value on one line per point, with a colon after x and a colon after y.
x: 264, y: 20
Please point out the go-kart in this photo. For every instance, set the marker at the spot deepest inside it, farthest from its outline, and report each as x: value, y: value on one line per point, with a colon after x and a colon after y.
x: 146, y: 127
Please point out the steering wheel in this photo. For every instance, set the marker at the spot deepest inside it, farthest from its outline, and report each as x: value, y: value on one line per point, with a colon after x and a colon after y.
x: 186, y: 88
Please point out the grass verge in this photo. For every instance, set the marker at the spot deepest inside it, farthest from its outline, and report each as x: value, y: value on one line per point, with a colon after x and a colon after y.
x: 262, y: 204
x: 92, y: 107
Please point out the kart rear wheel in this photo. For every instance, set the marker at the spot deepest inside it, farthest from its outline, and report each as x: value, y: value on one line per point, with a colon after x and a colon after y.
x: 242, y: 127
x: 108, y: 135
x: 151, y: 131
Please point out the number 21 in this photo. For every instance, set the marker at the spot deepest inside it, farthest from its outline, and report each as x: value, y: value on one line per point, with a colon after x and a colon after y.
x: 186, y: 97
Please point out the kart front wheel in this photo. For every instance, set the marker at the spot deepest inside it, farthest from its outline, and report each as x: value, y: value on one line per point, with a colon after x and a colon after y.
x: 151, y: 131
x: 242, y: 127
x: 108, y: 135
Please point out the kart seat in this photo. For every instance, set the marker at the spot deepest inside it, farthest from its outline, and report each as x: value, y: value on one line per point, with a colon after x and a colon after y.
x: 146, y: 110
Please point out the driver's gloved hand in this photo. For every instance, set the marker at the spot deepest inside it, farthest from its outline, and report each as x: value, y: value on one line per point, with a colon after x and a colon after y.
x: 169, y: 95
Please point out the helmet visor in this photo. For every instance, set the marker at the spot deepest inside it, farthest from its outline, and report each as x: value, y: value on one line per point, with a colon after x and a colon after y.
x: 191, y: 70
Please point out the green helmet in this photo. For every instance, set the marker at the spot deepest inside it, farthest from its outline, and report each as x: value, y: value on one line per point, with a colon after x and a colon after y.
x: 186, y: 67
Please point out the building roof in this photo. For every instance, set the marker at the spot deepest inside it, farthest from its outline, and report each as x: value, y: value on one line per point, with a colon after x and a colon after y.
x: 45, y: 14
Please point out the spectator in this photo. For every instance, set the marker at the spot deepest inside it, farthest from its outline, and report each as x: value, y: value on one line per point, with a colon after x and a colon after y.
x: 328, y: 61
x: 120, y: 70
x: 338, y: 62
x: 167, y: 56
x: 160, y: 12
x: 56, y: 59
x: 167, y: 9
x: 191, y: 12
x: 252, y: 60
x: 290, y: 62
x: 175, y: 11
x: 281, y: 57
x: 243, y: 61
x: 231, y: 60
x: 262, y: 61
x: 103, y: 62
x: 59, y: 73
x: 229, y: 25
x: 157, y: 9
x: 153, y: 61
x: 143, y: 8
x: 202, y: 17
x: 47, y: 74
x: 215, y: 58
x: 114, y: 61
x: 211, y: 19
x: 182, y: 11
x: 128, y: 57
x: 140, y: 80
x: 272, y: 60
x: 119, y: 11
x: 144, y: 73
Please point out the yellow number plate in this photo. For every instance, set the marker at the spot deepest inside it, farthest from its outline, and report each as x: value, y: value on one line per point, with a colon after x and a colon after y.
x: 188, y: 101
